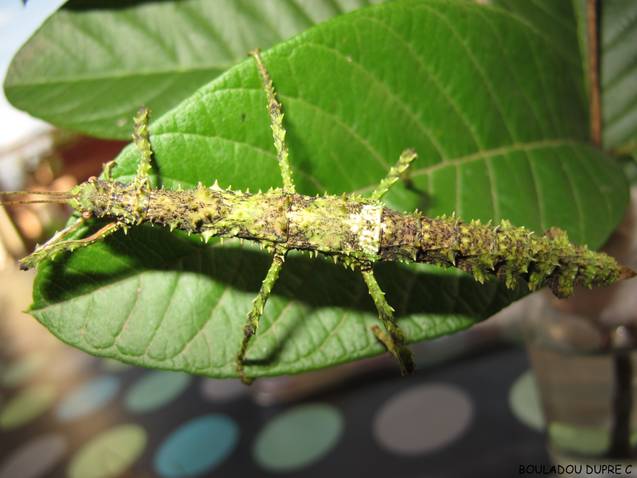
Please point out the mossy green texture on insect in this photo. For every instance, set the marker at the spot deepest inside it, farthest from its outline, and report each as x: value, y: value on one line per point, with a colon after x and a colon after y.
x: 498, y: 137
x: 349, y: 228
x: 338, y: 226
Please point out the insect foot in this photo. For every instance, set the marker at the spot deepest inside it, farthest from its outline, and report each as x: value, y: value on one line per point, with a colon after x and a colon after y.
x: 258, y: 304
x: 393, y: 340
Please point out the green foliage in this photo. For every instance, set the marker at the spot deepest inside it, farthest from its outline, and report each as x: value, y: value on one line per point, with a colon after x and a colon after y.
x: 494, y: 106
x: 618, y: 59
x: 619, y: 75
x: 92, y: 64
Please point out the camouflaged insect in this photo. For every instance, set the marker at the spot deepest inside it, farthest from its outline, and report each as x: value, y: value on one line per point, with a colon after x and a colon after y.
x: 354, y: 230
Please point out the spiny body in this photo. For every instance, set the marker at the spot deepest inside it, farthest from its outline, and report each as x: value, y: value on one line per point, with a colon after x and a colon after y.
x: 354, y: 230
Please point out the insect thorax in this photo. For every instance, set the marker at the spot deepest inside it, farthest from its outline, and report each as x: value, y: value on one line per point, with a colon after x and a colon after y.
x: 112, y: 199
x: 336, y: 225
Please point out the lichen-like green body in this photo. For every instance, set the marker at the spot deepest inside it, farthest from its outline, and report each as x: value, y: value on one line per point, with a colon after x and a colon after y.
x: 354, y: 230
x: 357, y: 231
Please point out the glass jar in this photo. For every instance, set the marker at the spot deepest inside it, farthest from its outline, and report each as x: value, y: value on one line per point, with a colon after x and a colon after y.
x: 586, y: 376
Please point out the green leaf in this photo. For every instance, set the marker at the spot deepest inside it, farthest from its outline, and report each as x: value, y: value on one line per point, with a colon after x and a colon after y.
x: 618, y: 70
x: 560, y: 23
x: 91, y: 65
x: 619, y: 75
x: 496, y: 114
x: 618, y: 65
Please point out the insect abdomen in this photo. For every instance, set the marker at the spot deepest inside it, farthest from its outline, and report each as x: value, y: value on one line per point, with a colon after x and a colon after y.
x: 363, y: 231
x: 507, y: 252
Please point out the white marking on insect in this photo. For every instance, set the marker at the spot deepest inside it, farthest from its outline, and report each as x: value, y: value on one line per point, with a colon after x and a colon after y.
x: 367, y: 225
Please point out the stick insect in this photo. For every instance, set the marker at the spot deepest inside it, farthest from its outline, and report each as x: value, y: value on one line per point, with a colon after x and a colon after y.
x: 355, y: 231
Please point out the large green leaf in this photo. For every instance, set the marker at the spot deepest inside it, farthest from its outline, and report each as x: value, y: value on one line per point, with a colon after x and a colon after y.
x: 619, y: 75
x: 618, y: 59
x: 92, y: 64
x: 561, y: 23
x: 495, y: 112
x: 618, y: 65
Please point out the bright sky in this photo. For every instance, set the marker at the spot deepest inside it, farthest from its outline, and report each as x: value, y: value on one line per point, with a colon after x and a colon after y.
x: 17, y: 23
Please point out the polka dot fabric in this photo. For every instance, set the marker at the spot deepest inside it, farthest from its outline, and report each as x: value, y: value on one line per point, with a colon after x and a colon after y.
x: 66, y: 414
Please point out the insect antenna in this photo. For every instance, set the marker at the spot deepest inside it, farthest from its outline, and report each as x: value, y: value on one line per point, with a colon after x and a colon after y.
x: 27, y: 197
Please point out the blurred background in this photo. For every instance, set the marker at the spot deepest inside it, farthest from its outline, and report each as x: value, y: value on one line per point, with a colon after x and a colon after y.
x: 474, y: 407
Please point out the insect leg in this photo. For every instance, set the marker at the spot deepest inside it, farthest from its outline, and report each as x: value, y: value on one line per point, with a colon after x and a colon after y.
x: 393, y: 340
x: 107, y: 168
x: 394, y: 173
x: 142, y: 141
x: 276, y: 123
x: 57, y: 244
x: 258, y: 304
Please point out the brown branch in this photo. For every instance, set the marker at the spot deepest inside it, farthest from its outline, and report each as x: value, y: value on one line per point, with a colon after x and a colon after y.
x: 595, y: 107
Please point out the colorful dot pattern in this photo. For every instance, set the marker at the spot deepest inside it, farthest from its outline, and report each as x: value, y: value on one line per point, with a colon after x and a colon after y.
x: 35, y: 457
x: 87, y: 398
x: 298, y: 437
x: 154, y: 390
x: 197, y: 447
x: 26, y: 406
x: 109, y: 453
x: 96, y: 419
x: 400, y: 427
